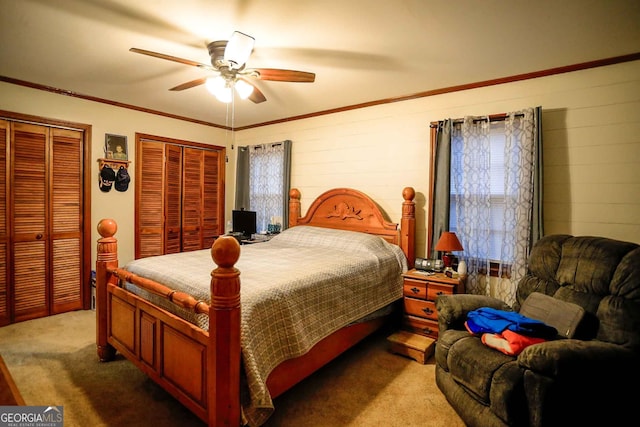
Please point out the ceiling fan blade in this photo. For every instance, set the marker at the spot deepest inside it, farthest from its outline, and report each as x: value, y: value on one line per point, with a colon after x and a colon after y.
x: 274, y: 74
x: 256, y: 96
x: 189, y: 85
x: 171, y: 58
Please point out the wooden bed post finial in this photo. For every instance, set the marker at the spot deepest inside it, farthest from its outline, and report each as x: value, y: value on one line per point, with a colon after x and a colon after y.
x: 408, y: 224
x: 294, y: 207
x: 107, y: 257
x: 223, y: 357
x: 107, y: 227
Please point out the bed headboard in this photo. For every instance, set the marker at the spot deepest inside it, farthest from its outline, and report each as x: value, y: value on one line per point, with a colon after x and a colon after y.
x: 349, y: 209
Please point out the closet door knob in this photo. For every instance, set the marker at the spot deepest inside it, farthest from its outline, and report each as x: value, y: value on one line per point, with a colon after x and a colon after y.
x: 39, y: 236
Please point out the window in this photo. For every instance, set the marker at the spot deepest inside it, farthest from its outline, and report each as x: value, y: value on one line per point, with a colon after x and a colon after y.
x: 263, y: 181
x: 487, y: 189
x: 266, y: 195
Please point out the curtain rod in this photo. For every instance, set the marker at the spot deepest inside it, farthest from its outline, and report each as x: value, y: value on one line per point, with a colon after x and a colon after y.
x: 492, y: 118
x: 275, y: 144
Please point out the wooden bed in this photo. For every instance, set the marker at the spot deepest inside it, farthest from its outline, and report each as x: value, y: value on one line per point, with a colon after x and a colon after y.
x: 202, y: 369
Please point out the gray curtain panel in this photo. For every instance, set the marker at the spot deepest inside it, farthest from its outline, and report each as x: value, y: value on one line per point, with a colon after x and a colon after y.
x: 537, y: 226
x: 242, y: 179
x: 286, y: 183
x: 442, y: 184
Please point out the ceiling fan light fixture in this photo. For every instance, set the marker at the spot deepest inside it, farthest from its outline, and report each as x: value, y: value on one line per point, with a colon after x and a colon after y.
x: 228, y: 62
x: 219, y: 88
x: 238, y: 50
x: 244, y: 89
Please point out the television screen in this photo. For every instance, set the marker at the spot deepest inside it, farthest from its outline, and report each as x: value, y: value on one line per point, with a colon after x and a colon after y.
x: 244, y: 222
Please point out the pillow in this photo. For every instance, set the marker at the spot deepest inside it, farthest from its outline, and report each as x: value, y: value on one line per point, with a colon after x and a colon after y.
x: 351, y: 241
x: 562, y: 315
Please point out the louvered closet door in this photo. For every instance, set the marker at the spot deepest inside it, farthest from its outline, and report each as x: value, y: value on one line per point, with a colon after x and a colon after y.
x: 192, y: 200
x: 29, y: 190
x: 150, y: 199
x: 173, y: 199
x: 213, y: 209
x: 4, y: 224
x: 66, y: 210
x: 179, y: 195
x: 202, y: 208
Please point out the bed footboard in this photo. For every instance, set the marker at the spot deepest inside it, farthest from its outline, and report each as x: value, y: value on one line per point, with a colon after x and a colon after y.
x: 200, y: 369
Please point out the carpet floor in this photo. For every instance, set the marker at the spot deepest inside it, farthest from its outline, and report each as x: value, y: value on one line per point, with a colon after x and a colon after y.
x: 53, y: 362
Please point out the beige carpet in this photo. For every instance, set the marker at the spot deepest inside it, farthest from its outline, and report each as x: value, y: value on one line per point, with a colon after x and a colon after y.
x: 53, y: 362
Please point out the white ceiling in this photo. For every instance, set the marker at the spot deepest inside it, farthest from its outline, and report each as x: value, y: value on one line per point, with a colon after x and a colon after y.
x: 361, y: 50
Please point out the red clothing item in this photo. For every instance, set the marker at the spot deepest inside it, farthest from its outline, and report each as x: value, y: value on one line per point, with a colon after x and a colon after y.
x: 509, y: 342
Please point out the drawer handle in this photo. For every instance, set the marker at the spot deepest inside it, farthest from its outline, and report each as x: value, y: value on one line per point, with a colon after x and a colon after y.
x: 427, y: 310
x: 427, y: 331
x: 415, y: 290
x: 439, y: 293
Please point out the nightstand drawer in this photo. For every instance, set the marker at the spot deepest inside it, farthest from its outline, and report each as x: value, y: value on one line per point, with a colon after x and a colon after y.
x: 422, y: 326
x: 415, y: 288
x: 420, y: 308
x: 435, y: 289
x: 426, y: 289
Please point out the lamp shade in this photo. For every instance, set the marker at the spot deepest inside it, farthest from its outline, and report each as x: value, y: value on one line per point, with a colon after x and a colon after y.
x: 238, y: 49
x: 449, y: 242
x: 243, y: 88
x: 220, y: 88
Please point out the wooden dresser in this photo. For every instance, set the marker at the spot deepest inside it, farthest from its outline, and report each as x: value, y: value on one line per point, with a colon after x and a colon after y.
x: 420, y: 318
x: 420, y: 292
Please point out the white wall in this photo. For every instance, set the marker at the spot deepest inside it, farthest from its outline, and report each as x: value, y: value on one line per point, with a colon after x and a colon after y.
x: 591, y: 136
x: 106, y: 119
x: 591, y: 131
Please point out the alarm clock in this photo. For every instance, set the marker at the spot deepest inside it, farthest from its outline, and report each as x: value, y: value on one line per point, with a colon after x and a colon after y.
x: 426, y: 264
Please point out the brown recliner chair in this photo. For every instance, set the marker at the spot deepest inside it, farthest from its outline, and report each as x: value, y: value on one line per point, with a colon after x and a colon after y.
x: 587, y: 379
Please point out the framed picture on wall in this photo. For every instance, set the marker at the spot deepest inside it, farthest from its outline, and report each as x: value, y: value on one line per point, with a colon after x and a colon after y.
x: 115, y: 147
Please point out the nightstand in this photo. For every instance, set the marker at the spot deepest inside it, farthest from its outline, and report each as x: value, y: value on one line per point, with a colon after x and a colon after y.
x: 420, y: 318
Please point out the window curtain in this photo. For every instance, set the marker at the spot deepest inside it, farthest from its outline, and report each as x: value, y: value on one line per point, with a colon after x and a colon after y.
x: 523, y: 140
x: 521, y: 225
x: 471, y: 182
x: 242, y: 179
x: 263, y: 179
x: 441, y: 184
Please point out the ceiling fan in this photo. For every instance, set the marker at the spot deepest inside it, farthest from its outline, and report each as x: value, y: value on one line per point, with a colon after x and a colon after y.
x: 228, y: 63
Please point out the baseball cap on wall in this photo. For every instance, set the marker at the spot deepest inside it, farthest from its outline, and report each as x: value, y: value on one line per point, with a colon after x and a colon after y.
x: 122, y: 179
x: 107, y: 177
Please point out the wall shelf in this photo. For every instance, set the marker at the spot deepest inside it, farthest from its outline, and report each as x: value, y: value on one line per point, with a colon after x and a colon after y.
x: 113, y: 163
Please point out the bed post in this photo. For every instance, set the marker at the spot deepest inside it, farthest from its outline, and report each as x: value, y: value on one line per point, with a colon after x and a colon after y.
x: 294, y: 207
x: 107, y: 257
x: 223, y: 358
x: 408, y: 225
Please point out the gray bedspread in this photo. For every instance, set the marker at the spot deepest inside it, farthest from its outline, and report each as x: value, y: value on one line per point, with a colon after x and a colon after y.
x: 297, y: 288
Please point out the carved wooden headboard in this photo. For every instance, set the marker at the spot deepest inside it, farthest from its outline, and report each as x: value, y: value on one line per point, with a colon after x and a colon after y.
x: 349, y: 209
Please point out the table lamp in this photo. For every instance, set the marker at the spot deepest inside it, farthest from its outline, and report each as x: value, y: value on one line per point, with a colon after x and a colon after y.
x: 448, y: 243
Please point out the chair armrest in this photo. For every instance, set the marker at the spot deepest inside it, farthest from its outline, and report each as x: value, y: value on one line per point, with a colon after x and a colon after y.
x: 571, y: 357
x: 453, y: 309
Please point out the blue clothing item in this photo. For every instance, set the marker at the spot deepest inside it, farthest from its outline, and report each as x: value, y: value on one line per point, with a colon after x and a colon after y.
x: 493, y: 321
